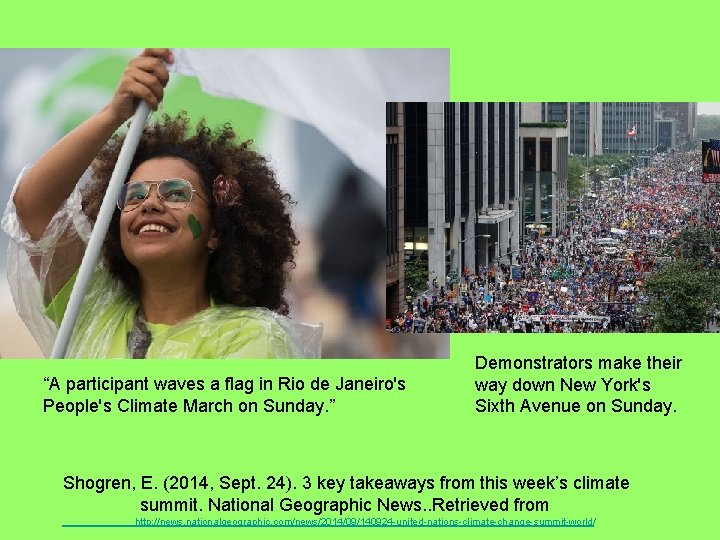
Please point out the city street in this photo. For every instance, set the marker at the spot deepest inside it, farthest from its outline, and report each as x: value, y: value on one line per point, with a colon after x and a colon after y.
x: 592, y: 277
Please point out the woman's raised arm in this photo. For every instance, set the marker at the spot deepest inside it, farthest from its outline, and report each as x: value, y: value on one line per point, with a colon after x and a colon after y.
x: 52, y: 178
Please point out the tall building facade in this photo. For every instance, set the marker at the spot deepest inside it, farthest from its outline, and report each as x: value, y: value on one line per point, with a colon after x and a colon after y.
x: 585, y: 128
x: 622, y: 116
x: 544, y: 179
x: 554, y: 111
x: 454, y: 192
x: 544, y: 147
x: 596, y: 128
x: 394, y: 207
x: 583, y: 120
x: 461, y: 185
x: 685, y: 116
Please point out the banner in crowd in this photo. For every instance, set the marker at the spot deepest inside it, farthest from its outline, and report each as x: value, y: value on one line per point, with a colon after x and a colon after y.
x: 563, y: 318
x: 711, y: 161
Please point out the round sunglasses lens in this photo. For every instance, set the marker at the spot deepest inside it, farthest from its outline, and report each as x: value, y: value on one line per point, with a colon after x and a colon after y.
x: 176, y: 193
x: 132, y: 194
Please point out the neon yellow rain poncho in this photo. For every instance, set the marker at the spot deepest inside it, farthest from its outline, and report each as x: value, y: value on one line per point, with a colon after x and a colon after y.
x: 108, y: 312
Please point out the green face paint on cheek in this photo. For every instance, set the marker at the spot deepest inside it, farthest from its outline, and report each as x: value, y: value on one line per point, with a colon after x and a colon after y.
x: 195, y: 227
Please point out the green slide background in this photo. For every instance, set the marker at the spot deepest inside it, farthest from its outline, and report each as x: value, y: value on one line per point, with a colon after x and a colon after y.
x: 518, y: 51
x: 426, y: 431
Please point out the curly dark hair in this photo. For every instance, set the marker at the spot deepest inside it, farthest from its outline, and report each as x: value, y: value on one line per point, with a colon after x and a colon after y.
x: 256, y: 239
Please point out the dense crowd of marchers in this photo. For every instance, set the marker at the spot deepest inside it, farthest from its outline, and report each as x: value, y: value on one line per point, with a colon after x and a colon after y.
x: 592, y: 276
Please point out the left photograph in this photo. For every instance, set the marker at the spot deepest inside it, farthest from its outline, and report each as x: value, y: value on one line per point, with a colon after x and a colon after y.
x: 209, y: 252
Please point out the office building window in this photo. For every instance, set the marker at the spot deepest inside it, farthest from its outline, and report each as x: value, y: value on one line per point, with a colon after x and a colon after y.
x: 391, y: 110
x: 491, y: 174
x: 464, y: 159
x: 479, y: 159
x: 511, y: 141
x: 501, y: 152
x: 416, y: 165
x: 546, y: 154
x: 562, y: 157
x: 449, y: 141
x: 529, y: 154
x: 529, y: 197
x: 391, y: 197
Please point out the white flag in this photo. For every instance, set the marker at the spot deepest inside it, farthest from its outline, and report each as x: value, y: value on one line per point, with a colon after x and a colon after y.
x: 342, y: 92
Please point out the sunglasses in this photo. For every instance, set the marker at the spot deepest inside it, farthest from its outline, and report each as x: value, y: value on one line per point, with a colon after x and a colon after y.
x: 173, y: 192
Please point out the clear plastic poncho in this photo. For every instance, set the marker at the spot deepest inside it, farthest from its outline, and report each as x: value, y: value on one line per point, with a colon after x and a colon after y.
x: 108, y: 310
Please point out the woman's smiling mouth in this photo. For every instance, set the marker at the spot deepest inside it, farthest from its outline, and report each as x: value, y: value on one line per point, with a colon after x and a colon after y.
x: 154, y: 228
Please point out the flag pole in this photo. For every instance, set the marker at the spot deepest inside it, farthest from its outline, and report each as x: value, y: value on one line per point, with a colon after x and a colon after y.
x: 92, y: 252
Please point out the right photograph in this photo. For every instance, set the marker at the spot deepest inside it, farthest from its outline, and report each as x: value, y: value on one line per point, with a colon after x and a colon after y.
x: 552, y: 217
